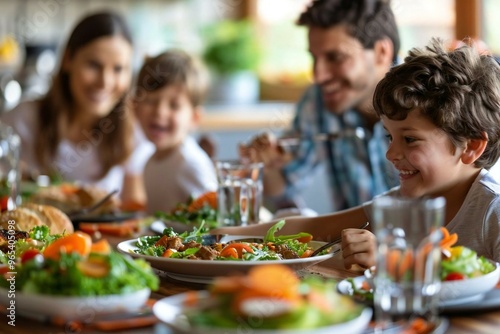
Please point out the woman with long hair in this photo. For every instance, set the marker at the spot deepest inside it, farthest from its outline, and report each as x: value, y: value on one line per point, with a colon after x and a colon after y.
x: 81, y: 129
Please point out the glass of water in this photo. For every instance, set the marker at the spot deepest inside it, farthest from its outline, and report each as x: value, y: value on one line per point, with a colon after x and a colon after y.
x: 10, y: 177
x: 407, y: 280
x: 239, y: 195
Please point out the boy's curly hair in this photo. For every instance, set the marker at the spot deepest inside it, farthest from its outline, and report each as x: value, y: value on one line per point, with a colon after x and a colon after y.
x: 459, y: 91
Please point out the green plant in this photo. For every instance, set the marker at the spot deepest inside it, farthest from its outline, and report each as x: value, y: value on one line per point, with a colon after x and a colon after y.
x: 231, y: 47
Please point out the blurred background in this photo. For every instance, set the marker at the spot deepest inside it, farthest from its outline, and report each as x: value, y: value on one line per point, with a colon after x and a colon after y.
x: 256, y: 54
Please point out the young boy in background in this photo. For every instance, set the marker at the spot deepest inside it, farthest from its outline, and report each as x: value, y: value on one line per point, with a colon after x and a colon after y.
x: 167, y: 102
x: 441, y: 111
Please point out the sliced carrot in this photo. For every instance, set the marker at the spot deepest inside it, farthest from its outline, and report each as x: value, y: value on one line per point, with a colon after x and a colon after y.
x: 275, y: 280
x: 229, y: 284
x: 133, y: 206
x: 68, y: 188
x: 240, y: 248
x: 406, y: 263
x: 102, y: 247
x: 317, y: 299
x: 449, y: 241
x: 169, y: 252
x: 445, y: 232
x: 78, y: 242
x: 307, y: 253
x: 122, y: 229
x: 305, y: 239
x: 393, y: 258
x: 209, y: 198
x: 365, y: 286
x: 192, y: 298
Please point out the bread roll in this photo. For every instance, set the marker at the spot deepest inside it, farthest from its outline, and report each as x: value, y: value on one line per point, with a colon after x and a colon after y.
x: 30, y: 215
x: 70, y: 198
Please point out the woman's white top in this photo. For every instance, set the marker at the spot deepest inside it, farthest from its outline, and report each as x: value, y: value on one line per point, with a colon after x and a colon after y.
x: 80, y: 161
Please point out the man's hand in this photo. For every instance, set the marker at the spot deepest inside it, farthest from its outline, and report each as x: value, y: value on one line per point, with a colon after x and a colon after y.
x: 264, y: 148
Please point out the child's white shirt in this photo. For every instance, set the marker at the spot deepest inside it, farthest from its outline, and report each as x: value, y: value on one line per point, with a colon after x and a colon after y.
x: 187, y: 171
x: 477, y: 222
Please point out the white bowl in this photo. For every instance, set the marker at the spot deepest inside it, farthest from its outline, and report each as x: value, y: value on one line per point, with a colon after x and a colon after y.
x: 84, y: 308
x: 170, y: 311
x: 458, y: 291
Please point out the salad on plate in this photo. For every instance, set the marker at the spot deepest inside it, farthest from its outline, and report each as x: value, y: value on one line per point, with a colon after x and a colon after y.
x: 463, y: 273
x: 267, y: 299
x: 200, y: 245
x: 71, y: 265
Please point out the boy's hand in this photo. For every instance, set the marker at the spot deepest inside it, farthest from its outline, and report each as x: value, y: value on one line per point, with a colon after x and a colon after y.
x: 358, y: 247
x: 264, y: 148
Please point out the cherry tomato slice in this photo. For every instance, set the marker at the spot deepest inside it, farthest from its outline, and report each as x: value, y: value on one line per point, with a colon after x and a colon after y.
x: 454, y: 276
x: 28, y: 255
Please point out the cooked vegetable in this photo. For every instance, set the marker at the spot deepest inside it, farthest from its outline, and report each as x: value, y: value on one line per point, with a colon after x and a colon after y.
x: 193, y: 245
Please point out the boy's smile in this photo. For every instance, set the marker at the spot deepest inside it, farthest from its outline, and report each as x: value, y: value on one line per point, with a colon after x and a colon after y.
x: 166, y: 116
x: 428, y: 163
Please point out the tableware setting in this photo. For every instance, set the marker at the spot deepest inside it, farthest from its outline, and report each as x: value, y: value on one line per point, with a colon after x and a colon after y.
x: 473, y: 294
x: 407, y: 281
x: 205, y: 271
x: 286, y: 304
x: 216, y: 255
x: 459, y: 280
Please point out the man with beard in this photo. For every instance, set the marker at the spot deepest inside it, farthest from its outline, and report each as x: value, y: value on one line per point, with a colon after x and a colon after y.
x: 353, y: 44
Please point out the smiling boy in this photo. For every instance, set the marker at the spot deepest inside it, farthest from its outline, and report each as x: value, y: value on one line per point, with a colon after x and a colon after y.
x: 441, y: 111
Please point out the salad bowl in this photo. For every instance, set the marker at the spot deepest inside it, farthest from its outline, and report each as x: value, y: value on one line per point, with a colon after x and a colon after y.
x: 171, y: 311
x: 452, y: 293
x: 460, y: 291
x: 203, y: 271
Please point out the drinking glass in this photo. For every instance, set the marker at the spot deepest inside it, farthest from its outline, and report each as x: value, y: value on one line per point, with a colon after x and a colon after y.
x: 407, y: 280
x: 10, y: 177
x: 239, y: 195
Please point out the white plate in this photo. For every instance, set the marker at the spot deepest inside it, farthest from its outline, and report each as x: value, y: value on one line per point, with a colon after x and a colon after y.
x: 203, y: 271
x: 170, y: 311
x: 469, y: 293
x: 84, y: 308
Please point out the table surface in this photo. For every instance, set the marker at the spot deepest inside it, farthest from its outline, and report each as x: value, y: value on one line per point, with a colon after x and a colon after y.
x: 470, y: 322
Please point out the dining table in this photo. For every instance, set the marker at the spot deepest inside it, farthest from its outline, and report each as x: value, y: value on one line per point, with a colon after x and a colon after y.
x: 467, y: 322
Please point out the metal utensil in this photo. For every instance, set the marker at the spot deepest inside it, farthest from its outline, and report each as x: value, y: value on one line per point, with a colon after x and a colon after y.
x: 334, y: 242
x: 210, y: 239
x: 84, y: 211
x: 294, y: 141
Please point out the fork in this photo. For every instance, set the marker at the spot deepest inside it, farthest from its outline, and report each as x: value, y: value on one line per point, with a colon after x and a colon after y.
x: 84, y: 211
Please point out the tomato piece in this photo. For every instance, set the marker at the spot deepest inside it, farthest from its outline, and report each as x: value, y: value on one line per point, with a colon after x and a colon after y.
x: 4, y: 200
x: 305, y: 239
x: 238, y: 246
x: 455, y: 277
x: 229, y: 252
x: 29, y: 254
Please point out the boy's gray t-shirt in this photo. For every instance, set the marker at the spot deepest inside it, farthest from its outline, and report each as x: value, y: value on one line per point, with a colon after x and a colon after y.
x: 477, y: 223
